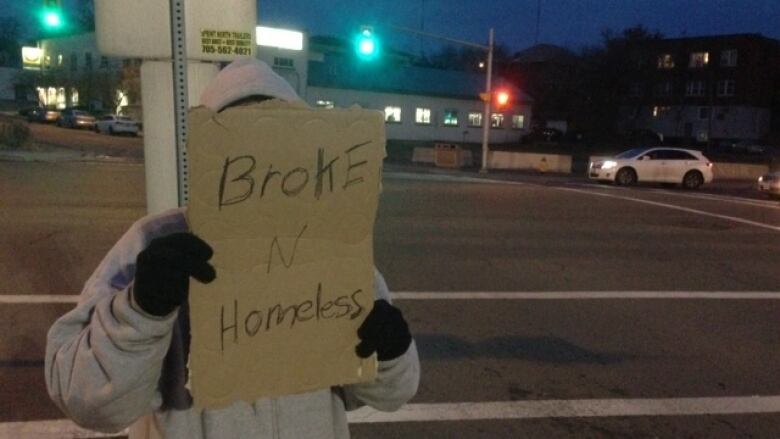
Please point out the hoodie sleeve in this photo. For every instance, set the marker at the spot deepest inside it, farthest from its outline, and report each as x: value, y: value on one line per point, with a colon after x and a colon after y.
x: 397, y: 380
x: 104, y: 358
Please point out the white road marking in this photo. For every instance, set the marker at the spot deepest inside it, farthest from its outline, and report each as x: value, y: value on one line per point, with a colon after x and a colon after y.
x: 26, y: 299
x: 470, y: 411
x: 475, y: 411
x: 586, y: 295
x: 674, y: 207
x: 54, y: 429
x: 447, y: 178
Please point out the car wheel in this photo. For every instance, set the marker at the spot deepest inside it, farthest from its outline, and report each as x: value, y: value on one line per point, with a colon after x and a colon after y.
x: 692, y: 180
x: 625, y: 177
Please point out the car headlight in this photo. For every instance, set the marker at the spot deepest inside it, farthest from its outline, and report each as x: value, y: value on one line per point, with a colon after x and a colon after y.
x: 609, y: 164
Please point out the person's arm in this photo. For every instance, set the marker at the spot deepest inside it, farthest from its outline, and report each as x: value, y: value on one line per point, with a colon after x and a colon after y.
x: 104, y: 359
x: 399, y: 366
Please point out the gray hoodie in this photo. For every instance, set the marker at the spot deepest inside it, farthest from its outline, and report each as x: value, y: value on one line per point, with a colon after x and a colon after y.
x: 109, y: 365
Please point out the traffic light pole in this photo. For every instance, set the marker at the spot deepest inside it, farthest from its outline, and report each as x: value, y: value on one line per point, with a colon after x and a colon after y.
x: 486, y: 121
x: 488, y: 82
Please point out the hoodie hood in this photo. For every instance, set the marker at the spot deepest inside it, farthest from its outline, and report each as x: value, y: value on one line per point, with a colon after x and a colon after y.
x: 243, y: 78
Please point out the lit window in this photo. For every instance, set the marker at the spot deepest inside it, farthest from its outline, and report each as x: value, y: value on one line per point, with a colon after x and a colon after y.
x: 699, y: 59
x: 321, y: 103
x: 422, y: 116
x: 695, y: 88
x: 59, y: 59
x: 496, y: 120
x: 726, y: 87
x: 475, y: 119
x: 704, y: 113
x: 451, y: 118
x: 51, y: 96
x: 284, y: 63
x: 61, y: 103
x: 74, y: 97
x: 660, y: 111
x: 41, y: 95
x: 728, y: 58
x: 518, y: 121
x: 393, y: 114
x: 665, y: 61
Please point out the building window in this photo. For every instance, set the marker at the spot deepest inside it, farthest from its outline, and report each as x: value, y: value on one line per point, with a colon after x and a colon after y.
x: 47, y: 61
x: 321, y: 103
x: 659, y: 111
x: 284, y: 63
x: 422, y: 116
x: 728, y: 58
x: 695, y: 88
x: 393, y: 114
x: 88, y: 61
x: 704, y: 113
x: 699, y: 60
x: 59, y: 59
x: 450, y: 118
x: 497, y: 120
x: 664, y: 89
x: 665, y: 61
x: 475, y: 119
x: 726, y: 87
x: 61, y: 103
x: 518, y: 121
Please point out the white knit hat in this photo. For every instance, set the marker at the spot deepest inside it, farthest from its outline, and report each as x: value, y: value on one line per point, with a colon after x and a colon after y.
x: 243, y: 78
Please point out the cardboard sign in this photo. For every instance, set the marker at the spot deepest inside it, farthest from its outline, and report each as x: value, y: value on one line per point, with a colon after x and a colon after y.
x: 287, y: 197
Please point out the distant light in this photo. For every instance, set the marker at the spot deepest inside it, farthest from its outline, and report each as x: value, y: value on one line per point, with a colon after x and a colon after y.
x: 367, y: 47
x: 482, y: 64
x: 502, y: 98
x: 32, y: 57
x: 280, y: 38
x: 52, y: 19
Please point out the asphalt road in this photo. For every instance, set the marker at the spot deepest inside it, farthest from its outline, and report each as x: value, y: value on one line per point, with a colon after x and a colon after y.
x: 441, y: 233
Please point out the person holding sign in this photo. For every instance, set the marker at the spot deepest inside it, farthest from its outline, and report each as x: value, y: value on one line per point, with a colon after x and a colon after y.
x: 121, y: 357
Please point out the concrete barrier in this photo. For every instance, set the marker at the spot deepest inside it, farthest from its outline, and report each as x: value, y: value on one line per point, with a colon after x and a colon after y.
x: 428, y: 156
x: 529, y: 161
x: 738, y: 171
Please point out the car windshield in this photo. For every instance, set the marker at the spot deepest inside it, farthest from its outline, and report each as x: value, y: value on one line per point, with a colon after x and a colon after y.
x: 631, y: 153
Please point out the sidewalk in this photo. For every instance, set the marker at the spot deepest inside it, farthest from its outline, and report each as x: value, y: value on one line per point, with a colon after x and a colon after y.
x: 51, y: 154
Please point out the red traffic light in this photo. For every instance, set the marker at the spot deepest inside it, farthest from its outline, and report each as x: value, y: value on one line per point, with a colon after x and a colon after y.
x: 502, y: 98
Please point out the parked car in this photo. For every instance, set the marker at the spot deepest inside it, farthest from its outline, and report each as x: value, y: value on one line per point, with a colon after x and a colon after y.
x: 42, y: 115
x: 687, y: 167
x: 770, y: 183
x: 113, y: 124
x: 72, y: 118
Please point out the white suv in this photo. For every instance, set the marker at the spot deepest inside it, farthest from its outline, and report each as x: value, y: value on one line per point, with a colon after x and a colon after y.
x: 687, y: 167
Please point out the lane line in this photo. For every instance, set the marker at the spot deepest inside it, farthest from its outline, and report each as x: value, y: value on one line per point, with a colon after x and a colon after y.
x: 586, y: 295
x: 673, y: 207
x: 697, y: 196
x: 26, y: 299
x: 475, y: 411
x: 586, y: 408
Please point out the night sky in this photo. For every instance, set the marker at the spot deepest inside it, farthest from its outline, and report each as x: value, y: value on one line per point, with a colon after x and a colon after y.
x: 570, y: 23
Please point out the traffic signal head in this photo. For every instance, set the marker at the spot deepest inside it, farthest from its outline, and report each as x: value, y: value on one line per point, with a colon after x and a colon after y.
x: 52, y: 15
x: 366, y: 44
x: 502, y: 98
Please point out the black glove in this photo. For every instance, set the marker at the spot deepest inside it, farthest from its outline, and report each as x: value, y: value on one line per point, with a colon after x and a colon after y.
x: 163, y: 270
x: 385, y: 332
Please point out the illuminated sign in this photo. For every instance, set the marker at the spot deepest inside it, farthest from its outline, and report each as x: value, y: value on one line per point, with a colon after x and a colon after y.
x: 32, y: 57
x: 280, y: 38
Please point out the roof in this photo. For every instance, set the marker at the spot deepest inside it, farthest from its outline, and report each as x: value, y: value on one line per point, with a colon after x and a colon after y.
x: 404, y: 79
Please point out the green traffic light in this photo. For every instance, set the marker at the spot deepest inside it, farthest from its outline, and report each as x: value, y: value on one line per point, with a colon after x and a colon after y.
x: 366, y: 44
x: 52, y: 19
